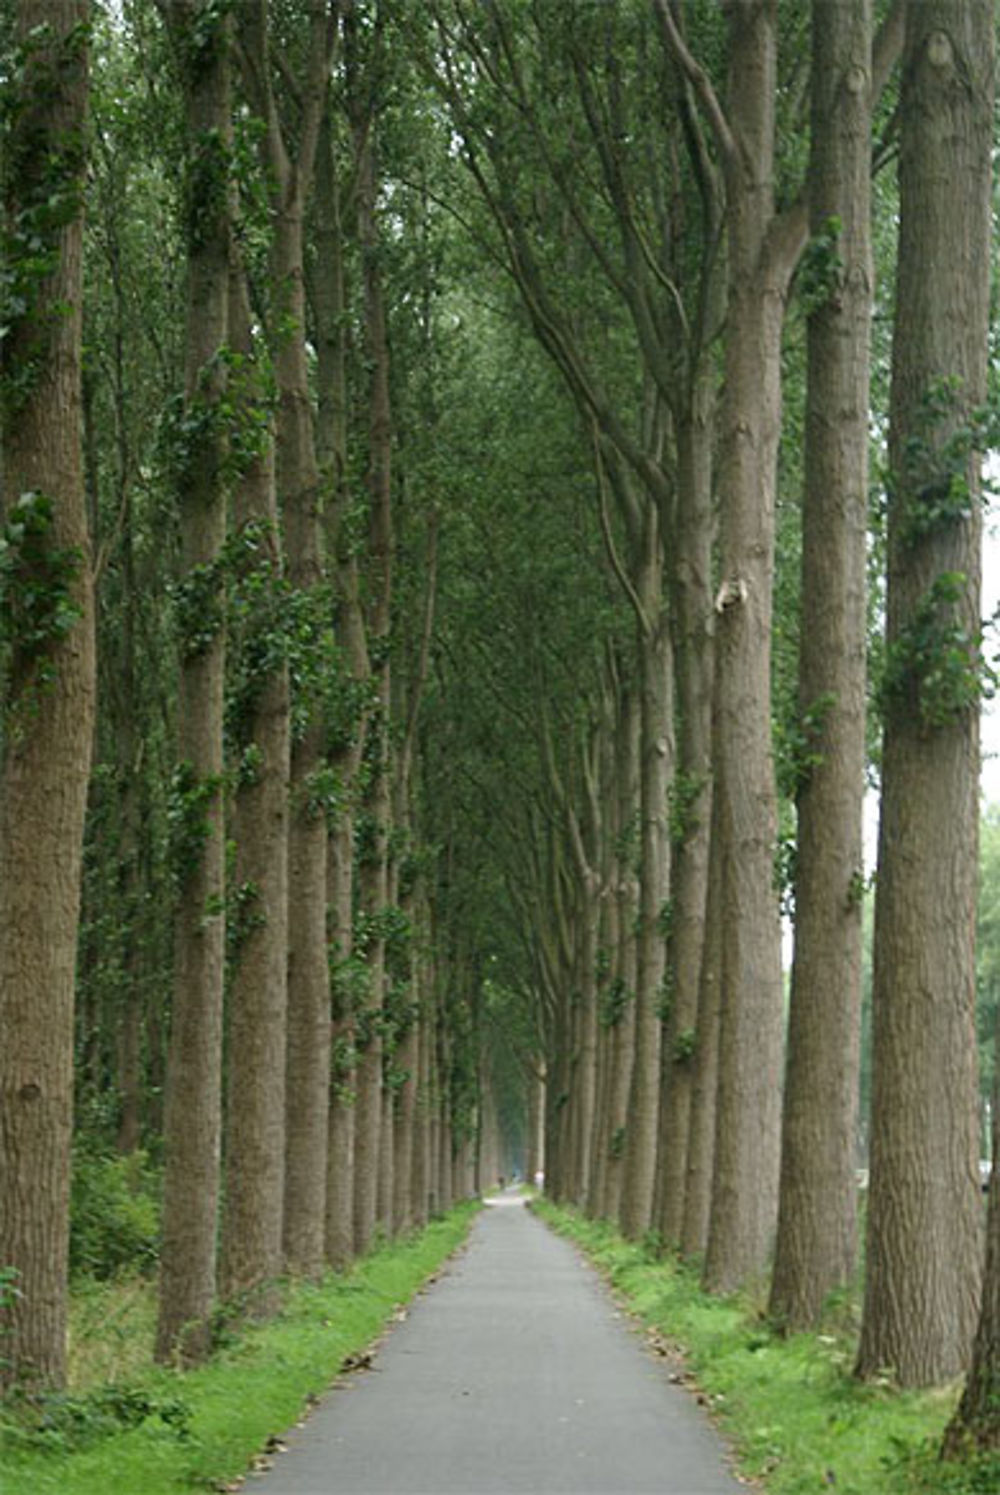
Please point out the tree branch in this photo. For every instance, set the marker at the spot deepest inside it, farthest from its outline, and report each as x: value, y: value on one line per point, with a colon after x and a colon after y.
x: 624, y: 579
x: 678, y: 49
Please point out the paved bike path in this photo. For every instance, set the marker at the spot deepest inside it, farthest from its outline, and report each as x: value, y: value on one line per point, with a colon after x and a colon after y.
x: 513, y: 1375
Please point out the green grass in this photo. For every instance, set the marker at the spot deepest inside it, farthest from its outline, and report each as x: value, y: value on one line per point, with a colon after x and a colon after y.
x: 221, y: 1415
x: 796, y: 1418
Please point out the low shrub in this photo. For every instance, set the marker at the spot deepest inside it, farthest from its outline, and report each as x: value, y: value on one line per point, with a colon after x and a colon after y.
x: 56, y: 1422
x: 114, y: 1215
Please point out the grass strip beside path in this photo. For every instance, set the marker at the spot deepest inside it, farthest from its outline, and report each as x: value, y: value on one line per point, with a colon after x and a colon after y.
x: 797, y: 1419
x: 254, y: 1388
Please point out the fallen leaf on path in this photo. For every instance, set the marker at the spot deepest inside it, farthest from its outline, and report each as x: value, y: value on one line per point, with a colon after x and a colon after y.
x: 363, y: 1360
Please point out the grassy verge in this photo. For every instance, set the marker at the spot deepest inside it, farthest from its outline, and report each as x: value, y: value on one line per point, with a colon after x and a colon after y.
x: 202, y: 1430
x: 794, y: 1415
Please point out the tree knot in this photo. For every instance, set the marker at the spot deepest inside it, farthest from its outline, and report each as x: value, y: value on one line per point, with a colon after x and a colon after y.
x: 733, y: 590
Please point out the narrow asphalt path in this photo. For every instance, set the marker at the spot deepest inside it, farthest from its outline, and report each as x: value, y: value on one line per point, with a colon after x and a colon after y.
x: 513, y: 1374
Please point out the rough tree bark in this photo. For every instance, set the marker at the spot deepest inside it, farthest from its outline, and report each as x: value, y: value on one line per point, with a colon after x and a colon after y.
x: 976, y: 1423
x: 327, y: 291
x: 257, y: 998
x: 817, y: 1225
x: 692, y: 810
x: 923, y: 1221
x: 656, y: 768
x: 299, y: 491
x: 762, y: 251
x: 374, y: 871
x: 48, y: 696
x: 192, y: 1126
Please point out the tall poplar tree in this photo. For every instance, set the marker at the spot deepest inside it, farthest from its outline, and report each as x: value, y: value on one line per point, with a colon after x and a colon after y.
x: 923, y: 1214
x: 289, y: 162
x: 763, y: 246
x: 816, y: 1245
x: 48, y: 671
x: 258, y: 900
x: 373, y: 1130
x: 201, y: 35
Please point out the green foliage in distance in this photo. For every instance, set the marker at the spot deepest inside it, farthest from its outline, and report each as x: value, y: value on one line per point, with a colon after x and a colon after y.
x: 114, y: 1214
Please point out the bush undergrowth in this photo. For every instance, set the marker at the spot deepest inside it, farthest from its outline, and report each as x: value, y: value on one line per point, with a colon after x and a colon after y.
x: 796, y: 1418
x: 126, y: 1426
x: 114, y: 1215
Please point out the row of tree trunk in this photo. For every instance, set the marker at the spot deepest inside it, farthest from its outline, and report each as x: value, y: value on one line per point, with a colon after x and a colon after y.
x: 659, y: 944
x: 328, y: 1134
x: 649, y: 903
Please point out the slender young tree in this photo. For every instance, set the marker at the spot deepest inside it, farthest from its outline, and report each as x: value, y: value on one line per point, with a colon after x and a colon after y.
x: 924, y: 1228
x: 48, y: 675
x: 345, y: 738
x: 372, y: 1138
x: 192, y: 1134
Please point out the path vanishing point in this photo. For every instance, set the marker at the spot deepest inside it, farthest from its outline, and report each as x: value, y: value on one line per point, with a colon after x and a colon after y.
x: 514, y: 1373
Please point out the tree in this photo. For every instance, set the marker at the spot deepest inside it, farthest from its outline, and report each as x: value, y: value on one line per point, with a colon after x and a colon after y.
x: 923, y: 1227
x: 133, y: 336
x: 289, y: 168
x: 763, y: 247
x: 192, y: 1130
x: 48, y: 671
x: 632, y: 211
x: 976, y: 1423
x: 816, y: 1243
x: 373, y: 1129
x: 345, y: 735
x: 258, y: 900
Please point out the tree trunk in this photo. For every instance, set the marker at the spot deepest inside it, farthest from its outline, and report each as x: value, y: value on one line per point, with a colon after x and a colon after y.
x: 193, y: 1107
x: 817, y: 1226
x: 308, y: 1067
x: 745, y: 1187
x: 422, y: 1177
x: 692, y: 791
x: 535, y: 1152
x: 48, y: 699
x: 705, y: 1068
x: 585, y: 1078
x: 608, y: 989
x: 374, y: 870
x: 976, y: 1423
x: 626, y: 897
x: 129, y: 1058
x: 386, y: 1160
x: 300, y: 500
x: 924, y: 1204
x: 339, y: 1238
x: 258, y: 902
x: 656, y: 770
x: 328, y: 300
x: 404, y: 1127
